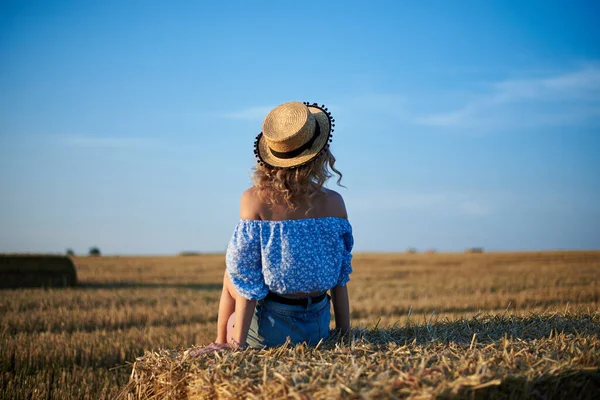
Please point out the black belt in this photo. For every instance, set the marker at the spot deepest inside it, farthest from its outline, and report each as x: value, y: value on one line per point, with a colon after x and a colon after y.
x: 303, y: 301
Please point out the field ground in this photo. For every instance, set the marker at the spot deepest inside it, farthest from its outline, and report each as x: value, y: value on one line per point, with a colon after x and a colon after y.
x: 505, y: 325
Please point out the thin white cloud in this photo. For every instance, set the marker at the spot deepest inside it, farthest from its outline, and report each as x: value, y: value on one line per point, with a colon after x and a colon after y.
x: 258, y: 113
x: 252, y: 113
x: 110, y: 142
x: 451, y: 203
x: 557, y: 100
x: 474, y: 208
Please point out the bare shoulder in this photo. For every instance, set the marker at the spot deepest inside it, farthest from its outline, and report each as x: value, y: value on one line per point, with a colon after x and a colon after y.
x: 335, y: 204
x: 250, y: 204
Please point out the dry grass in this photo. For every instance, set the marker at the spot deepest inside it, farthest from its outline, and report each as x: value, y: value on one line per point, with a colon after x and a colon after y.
x: 537, y: 330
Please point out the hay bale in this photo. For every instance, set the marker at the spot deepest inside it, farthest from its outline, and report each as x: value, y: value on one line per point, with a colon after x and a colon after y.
x: 25, y: 270
x: 480, y: 360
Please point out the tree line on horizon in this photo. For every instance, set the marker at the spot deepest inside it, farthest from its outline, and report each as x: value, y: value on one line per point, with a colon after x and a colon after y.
x: 93, y: 251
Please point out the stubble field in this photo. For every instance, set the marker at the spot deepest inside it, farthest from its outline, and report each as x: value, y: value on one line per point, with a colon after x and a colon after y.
x: 509, y: 325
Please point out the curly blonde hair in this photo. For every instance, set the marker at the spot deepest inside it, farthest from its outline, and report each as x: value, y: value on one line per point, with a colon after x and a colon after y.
x: 297, y: 186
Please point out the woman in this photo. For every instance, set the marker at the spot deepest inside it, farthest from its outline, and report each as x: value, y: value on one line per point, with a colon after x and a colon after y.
x: 293, y: 241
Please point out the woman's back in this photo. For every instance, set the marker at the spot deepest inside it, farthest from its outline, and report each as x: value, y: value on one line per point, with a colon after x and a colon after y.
x: 326, y: 203
x: 290, y: 251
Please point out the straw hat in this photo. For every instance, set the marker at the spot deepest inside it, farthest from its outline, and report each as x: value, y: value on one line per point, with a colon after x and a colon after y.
x: 293, y: 134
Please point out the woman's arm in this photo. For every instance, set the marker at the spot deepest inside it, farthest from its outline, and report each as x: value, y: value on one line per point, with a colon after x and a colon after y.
x: 244, y: 310
x: 341, y: 307
x: 339, y: 294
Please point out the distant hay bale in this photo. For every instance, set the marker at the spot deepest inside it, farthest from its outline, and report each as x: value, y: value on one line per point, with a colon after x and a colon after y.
x: 472, y: 250
x: 431, y: 251
x: 17, y: 271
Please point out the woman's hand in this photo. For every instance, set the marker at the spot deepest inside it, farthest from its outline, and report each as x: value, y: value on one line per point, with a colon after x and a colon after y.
x: 209, y: 349
x: 215, y: 347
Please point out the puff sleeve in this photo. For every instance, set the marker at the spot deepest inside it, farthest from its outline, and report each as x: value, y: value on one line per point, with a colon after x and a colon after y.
x: 243, y: 261
x: 346, y: 270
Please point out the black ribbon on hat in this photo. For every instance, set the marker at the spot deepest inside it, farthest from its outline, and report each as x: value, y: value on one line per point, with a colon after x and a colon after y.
x: 301, y: 149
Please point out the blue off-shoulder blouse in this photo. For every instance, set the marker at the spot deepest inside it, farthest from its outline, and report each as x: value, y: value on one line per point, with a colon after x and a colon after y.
x: 290, y: 256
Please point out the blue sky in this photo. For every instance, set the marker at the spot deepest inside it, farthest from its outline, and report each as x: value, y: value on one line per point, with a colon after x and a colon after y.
x: 129, y: 125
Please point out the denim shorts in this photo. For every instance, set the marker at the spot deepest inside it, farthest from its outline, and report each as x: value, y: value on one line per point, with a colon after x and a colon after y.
x: 273, y: 322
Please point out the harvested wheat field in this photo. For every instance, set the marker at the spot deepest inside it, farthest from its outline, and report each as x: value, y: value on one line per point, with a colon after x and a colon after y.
x: 504, y: 325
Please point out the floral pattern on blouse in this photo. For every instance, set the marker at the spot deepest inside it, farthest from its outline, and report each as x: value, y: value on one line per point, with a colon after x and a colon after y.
x: 290, y: 256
